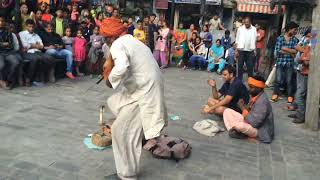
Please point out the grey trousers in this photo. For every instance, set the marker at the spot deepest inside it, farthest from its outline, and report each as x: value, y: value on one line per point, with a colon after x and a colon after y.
x: 301, y: 95
x: 126, y: 138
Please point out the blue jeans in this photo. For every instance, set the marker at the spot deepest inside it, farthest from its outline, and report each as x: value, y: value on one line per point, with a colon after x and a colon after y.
x: 221, y: 65
x: 62, y: 53
x: 200, y: 60
x: 246, y: 57
x: 301, y: 95
x: 283, y: 72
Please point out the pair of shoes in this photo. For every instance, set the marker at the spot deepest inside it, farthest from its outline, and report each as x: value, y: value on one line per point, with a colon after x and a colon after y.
x: 80, y: 74
x: 4, y: 85
x: 293, y: 116
x: 290, y: 99
x: 237, y: 135
x: 298, y: 121
x: 164, y: 67
x: 274, y: 98
x: 37, y: 84
x: 70, y: 75
x: 112, y: 177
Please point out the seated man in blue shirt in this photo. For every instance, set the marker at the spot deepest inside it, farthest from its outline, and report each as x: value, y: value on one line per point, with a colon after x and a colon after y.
x: 229, y: 94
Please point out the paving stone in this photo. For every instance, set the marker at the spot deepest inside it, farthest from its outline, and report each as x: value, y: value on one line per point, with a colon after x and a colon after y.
x: 19, y: 174
x: 25, y: 165
x: 66, y: 166
x: 42, y: 133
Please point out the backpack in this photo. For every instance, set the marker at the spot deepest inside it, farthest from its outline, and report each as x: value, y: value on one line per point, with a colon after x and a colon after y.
x: 165, y: 147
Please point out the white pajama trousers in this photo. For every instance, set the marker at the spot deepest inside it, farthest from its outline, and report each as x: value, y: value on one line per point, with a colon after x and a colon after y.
x: 127, y: 140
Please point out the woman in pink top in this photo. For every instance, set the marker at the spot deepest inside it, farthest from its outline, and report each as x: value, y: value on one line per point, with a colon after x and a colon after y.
x: 79, y: 51
x: 98, y: 19
x: 160, y: 51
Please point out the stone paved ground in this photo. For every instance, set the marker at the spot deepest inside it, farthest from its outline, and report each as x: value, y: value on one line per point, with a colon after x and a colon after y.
x: 42, y: 129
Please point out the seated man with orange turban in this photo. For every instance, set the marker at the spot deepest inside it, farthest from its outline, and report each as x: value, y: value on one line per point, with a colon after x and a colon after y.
x: 139, y: 104
x: 256, y: 120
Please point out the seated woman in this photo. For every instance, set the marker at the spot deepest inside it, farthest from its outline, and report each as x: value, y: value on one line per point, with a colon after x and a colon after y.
x: 198, y: 59
x: 256, y: 120
x: 216, y: 57
x: 191, y: 45
x: 206, y: 36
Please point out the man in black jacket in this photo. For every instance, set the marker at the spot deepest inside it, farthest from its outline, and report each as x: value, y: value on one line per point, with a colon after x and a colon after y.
x: 7, y: 56
x: 53, y: 46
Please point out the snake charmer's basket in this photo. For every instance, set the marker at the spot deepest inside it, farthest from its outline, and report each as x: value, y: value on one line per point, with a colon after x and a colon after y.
x: 102, y: 138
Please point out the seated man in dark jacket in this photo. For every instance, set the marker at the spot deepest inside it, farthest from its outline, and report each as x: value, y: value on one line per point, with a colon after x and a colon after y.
x: 228, y: 95
x: 53, y: 45
x: 8, y: 56
x: 256, y: 120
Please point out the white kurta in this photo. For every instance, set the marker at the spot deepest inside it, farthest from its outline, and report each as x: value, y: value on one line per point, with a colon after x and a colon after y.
x: 136, y: 71
x: 139, y: 105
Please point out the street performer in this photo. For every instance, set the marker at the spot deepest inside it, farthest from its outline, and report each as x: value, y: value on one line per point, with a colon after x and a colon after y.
x: 139, y: 104
x: 256, y: 120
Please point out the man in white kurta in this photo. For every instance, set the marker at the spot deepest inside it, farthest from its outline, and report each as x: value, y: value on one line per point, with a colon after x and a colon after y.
x: 138, y: 106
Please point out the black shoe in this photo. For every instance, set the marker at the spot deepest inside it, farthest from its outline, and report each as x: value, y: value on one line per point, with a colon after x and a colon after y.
x: 293, y: 116
x: 112, y: 177
x: 298, y: 121
x: 237, y: 135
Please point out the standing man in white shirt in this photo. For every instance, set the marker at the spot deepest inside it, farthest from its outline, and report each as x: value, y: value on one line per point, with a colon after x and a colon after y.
x: 139, y: 104
x: 32, y: 47
x: 246, y: 45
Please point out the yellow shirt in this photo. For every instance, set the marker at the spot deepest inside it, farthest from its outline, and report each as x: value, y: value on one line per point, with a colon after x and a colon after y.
x: 59, y: 27
x: 24, y: 18
x: 139, y: 34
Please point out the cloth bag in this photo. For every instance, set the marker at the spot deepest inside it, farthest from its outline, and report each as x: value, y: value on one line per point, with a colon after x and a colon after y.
x: 165, y: 147
x: 207, y: 127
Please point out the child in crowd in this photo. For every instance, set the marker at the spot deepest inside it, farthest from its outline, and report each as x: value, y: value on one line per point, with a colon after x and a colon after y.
x: 95, y: 52
x: 68, y: 39
x: 79, y: 51
x: 99, y: 19
x: 130, y: 26
x: 87, y: 28
x: 46, y: 16
x: 139, y: 33
x: 74, y: 13
x: 231, y: 54
x: 226, y: 40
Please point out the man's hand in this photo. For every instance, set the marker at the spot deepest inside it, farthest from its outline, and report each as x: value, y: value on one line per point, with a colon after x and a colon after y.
x: 212, y: 82
x: 241, y: 104
x: 51, y: 47
x: 5, y: 44
x: 206, y: 109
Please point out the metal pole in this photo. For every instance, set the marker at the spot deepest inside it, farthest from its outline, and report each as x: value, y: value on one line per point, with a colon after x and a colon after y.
x: 172, y: 14
x: 202, y: 12
x: 279, y: 13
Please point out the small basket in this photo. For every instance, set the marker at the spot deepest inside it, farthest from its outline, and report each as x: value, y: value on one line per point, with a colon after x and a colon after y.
x: 103, y: 137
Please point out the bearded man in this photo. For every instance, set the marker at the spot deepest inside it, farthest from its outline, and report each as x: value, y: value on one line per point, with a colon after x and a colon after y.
x: 256, y: 120
x: 139, y: 104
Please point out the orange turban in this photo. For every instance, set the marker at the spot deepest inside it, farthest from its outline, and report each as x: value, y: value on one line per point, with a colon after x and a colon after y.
x: 256, y: 83
x: 112, y: 27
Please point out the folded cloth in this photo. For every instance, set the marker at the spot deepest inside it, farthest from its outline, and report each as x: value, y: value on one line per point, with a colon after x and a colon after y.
x: 207, y: 127
x: 87, y: 141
